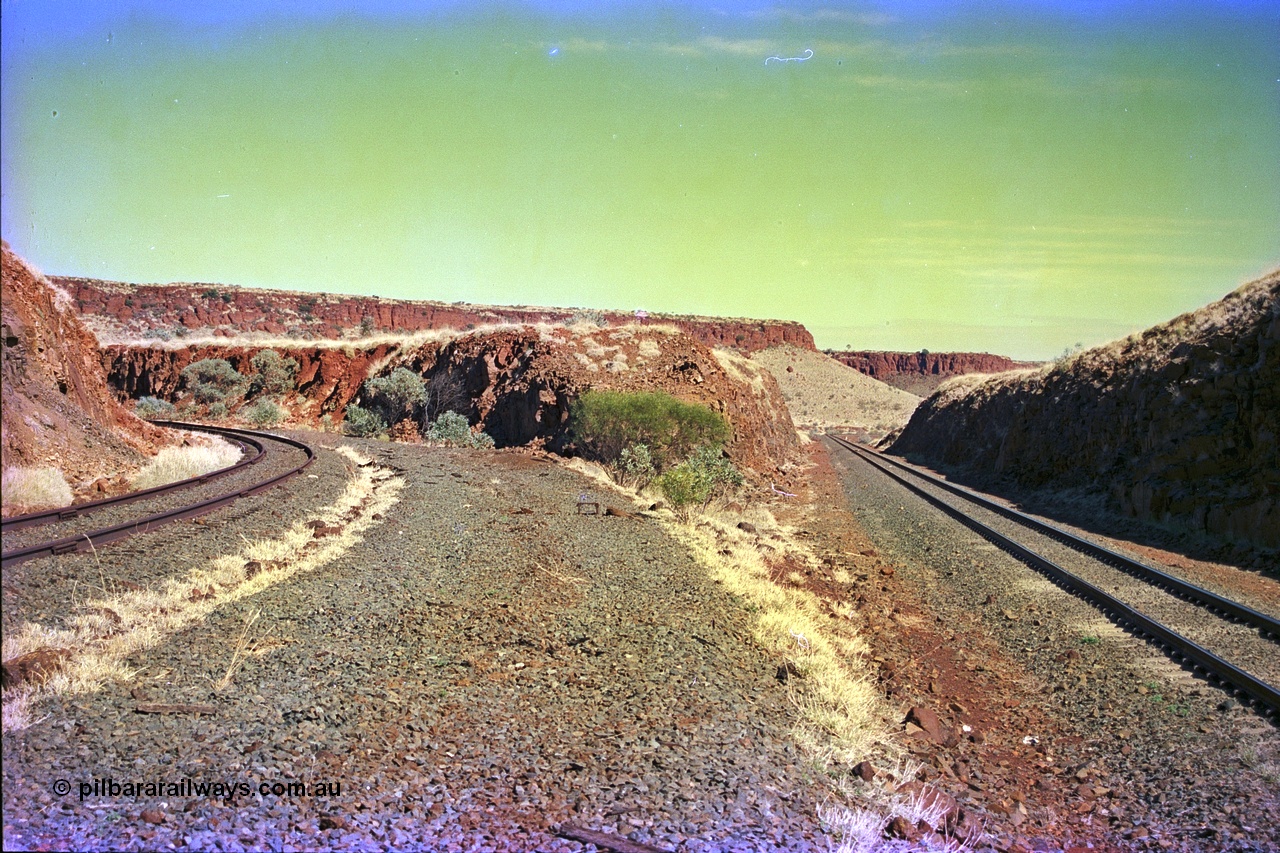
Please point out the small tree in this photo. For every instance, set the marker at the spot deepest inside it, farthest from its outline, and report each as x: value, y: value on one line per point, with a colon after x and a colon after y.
x: 682, y: 487
x: 276, y: 373
x: 366, y: 326
x: 445, y: 393
x: 635, y: 466
x: 212, y: 380
x: 712, y: 465
x: 703, y: 476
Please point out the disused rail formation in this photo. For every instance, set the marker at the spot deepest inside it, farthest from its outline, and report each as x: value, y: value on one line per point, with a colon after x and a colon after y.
x: 1189, y: 652
x: 91, y: 539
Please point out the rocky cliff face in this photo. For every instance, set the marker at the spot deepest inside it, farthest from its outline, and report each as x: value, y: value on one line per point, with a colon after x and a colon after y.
x: 123, y: 313
x: 520, y: 382
x: 57, y: 410
x: 922, y: 372
x: 1178, y: 424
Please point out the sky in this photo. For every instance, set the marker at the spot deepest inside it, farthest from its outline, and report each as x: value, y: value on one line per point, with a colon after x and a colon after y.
x: 1012, y: 177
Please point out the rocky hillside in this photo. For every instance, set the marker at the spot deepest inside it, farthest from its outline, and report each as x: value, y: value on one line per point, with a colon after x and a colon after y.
x: 127, y: 313
x: 519, y: 381
x: 824, y: 394
x: 922, y: 372
x: 1178, y: 424
x: 57, y: 410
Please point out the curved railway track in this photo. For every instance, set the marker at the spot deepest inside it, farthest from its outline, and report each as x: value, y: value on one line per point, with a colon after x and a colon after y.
x: 1224, y: 630
x: 85, y: 540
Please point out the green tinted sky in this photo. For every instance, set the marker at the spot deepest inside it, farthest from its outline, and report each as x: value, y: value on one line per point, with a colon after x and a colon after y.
x: 1013, y: 182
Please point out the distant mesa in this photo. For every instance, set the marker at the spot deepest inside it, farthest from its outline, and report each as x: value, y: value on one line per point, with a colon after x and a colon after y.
x: 922, y: 372
x: 824, y: 394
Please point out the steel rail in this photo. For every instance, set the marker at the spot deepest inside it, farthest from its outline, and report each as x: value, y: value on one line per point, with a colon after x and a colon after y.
x: 93, y: 538
x: 64, y: 513
x: 1268, y: 625
x: 1196, y: 655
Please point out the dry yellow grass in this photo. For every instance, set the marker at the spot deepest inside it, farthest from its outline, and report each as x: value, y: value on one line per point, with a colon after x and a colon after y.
x: 31, y: 489
x: 822, y: 393
x: 843, y: 719
x: 742, y: 369
x: 109, y: 335
x: 204, y: 454
x: 109, y: 629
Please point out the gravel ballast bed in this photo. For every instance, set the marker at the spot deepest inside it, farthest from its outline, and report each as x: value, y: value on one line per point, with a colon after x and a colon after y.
x: 1238, y: 643
x: 1181, y: 765
x: 483, y: 666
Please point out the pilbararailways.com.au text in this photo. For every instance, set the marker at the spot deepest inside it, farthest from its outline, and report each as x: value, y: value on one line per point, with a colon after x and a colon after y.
x: 188, y: 787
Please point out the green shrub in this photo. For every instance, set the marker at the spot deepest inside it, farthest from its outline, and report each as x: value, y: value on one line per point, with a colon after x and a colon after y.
x: 212, y: 380
x: 704, y: 475
x: 263, y: 413
x: 452, y: 430
x: 153, y: 407
x: 683, y: 487
x: 711, y: 464
x: 605, y: 422
x: 276, y: 374
x: 362, y: 422
x: 635, y: 466
x: 217, y: 411
x: 397, y: 393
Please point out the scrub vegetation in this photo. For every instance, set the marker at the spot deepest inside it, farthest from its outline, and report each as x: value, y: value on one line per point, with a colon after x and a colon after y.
x: 604, y: 423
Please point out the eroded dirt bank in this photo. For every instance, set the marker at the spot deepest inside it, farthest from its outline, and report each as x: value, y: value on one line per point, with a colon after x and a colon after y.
x: 516, y: 383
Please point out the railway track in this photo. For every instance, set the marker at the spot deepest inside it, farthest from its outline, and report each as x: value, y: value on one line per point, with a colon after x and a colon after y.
x: 1225, y: 640
x: 166, y: 502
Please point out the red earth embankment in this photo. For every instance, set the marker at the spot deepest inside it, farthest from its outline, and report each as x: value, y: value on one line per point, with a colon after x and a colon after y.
x: 517, y: 383
x: 57, y: 409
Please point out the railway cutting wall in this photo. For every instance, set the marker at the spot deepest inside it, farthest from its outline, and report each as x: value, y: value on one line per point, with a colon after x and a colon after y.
x: 1176, y: 425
